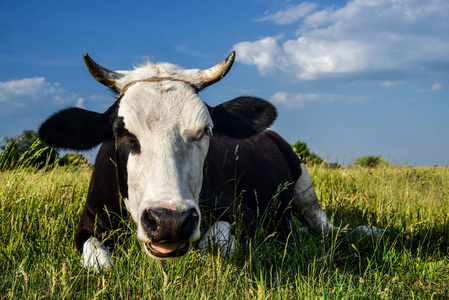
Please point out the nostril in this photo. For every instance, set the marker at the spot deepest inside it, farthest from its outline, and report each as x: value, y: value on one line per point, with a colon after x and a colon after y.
x: 152, y: 225
x: 191, y: 221
x: 150, y: 221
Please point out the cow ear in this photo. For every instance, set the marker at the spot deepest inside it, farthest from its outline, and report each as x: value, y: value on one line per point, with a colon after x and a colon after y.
x: 77, y: 129
x: 242, y: 117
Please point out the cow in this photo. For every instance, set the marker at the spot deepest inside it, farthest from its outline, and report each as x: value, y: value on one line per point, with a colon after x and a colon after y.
x: 183, y: 170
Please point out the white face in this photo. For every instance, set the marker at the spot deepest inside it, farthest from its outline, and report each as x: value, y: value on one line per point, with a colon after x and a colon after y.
x: 171, y: 125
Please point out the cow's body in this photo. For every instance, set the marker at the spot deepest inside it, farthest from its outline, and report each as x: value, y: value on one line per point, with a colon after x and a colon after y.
x: 159, y: 155
x: 246, y: 175
x: 240, y: 175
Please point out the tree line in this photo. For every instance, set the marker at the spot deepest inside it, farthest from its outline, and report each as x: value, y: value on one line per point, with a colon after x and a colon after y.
x: 310, y: 158
x: 27, y: 149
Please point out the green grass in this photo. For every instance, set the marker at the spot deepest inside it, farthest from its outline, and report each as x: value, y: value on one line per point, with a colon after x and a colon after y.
x: 40, y: 209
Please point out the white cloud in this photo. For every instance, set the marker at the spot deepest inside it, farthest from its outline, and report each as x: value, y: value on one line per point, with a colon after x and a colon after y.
x: 294, y: 100
x: 291, y: 15
x: 436, y: 86
x: 29, y: 93
x: 79, y: 103
x: 399, y: 37
x: 19, y: 88
x: 390, y: 84
x: 289, y: 100
x: 264, y: 54
x: 34, y: 90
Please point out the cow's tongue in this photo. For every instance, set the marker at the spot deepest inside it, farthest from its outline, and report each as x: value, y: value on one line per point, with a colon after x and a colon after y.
x: 166, y: 248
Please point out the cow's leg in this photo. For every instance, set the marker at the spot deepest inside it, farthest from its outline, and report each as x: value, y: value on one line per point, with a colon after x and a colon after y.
x: 219, y: 235
x: 102, y: 212
x: 306, y: 202
x: 95, y: 255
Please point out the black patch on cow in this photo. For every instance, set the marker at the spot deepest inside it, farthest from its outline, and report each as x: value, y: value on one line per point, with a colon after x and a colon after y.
x: 123, y: 135
x: 126, y: 143
x: 242, y: 117
x: 291, y: 158
x: 242, y: 175
x: 78, y: 129
x: 104, y: 209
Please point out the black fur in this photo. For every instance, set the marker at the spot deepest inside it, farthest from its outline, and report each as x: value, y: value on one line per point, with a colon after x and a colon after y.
x: 265, y: 162
x: 242, y: 117
x: 104, y: 207
x: 78, y: 129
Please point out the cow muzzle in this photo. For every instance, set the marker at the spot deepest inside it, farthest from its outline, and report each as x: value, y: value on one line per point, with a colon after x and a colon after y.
x: 169, y: 231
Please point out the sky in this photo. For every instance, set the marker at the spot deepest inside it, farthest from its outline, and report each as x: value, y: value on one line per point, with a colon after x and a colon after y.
x: 349, y: 78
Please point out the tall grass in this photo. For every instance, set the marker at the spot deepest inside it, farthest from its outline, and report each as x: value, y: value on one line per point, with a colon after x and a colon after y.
x: 40, y: 209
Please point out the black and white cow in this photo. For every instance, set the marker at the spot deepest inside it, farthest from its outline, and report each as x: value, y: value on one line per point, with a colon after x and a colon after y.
x: 172, y: 161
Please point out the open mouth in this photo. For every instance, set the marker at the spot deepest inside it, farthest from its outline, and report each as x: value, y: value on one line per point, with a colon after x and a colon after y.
x: 167, y: 249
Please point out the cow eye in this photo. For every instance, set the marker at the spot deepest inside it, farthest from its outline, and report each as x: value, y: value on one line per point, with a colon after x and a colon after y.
x: 129, y: 141
x: 207, y: 131
x: 134, y: 145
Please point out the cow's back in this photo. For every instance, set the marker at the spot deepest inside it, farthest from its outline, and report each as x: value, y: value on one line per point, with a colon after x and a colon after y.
x: 245, y: 174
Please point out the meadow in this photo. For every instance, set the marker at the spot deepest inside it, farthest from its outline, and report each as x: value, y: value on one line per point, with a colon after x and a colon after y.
x: 40, y: 209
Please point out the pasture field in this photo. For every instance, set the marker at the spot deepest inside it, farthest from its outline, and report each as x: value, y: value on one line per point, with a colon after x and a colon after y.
x: 40, y: 209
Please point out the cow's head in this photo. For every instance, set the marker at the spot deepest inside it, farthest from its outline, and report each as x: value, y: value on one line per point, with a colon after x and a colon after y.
x: 162, y: 130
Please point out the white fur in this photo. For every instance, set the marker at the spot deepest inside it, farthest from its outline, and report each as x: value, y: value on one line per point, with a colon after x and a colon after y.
x: 168, y: 119
x: 95, y: 255
x: 307, y: 202
x: 370, y: 230
x: 149, y: 70
x: 219, y: 235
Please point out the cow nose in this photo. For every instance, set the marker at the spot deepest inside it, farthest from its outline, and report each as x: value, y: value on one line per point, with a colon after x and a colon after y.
x: 161, y: 224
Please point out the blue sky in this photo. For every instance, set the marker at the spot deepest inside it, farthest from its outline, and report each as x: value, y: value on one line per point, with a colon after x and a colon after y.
x: 349, y: 78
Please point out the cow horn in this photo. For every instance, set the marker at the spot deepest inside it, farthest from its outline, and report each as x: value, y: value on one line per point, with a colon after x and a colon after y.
x: 102, y: 75
x: 217, y: 72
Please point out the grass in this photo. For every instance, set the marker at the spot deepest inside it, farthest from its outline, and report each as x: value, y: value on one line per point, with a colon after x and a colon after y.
x: 40, y: 209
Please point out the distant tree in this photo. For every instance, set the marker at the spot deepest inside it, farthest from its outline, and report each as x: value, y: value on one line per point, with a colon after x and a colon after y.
x: 304, y: 153
x: 370, y: 161
x: 26, y: 149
